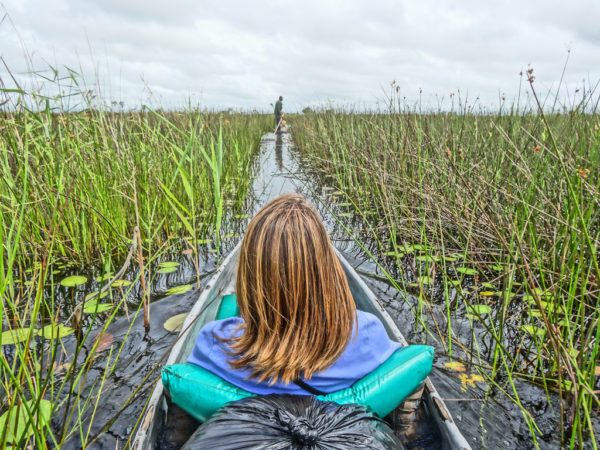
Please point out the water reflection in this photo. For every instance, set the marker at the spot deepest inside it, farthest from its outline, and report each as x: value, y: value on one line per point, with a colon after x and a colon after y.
x: 279, y: 151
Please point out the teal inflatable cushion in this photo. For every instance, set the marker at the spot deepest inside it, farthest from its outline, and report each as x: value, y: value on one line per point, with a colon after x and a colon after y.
x: 201, y: 393
x: 228, y: 307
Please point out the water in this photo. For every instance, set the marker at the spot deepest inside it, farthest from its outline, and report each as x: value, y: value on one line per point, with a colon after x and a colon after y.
x: 485, y: 415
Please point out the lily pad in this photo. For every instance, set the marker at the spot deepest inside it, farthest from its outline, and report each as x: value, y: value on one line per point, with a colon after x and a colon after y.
x: 481, y: 310
x: 456, y: 283
x: 168, y: 264
x: 179, y: 289
x: 533, y: 330
x: 53, y: 331
x: 17, y: 423
x: 93, y: 307
x: 425, y: 258
x: 14, y: 336
x: 425, y: 280
x: 534, y: 313
x: 449, y: 258
x: 487, y: 293
x: 395, y: 254
x: 346, y: 214
x: 497, y: 267
x: 455, y: 366
x: 488, y: 285
x: 73, y: 281
x: 121, y: 283
x: 466, y: 270
x: 105, y: 277
x: 95, y: 295
x: 174, y: 323
x: 164, y: 270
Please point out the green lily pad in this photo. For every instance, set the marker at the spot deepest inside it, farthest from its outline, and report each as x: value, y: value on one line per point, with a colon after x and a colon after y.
x: 179, y: 289
x: 448, y: 258
x: 533, y: 330
x: 104, y: 277
x: 121, y: 283
x: 347, y: 215
x: 95, y: 295
x: 425, y: 280
x: 487, y: 293
x: 231, y: 236
x: 17, y: 423
x: 14, y: 336
x: 420, y: 246
x: 456, y: 283
x: 406, y: 248
x: 174, y: 323
x: 168, y: 264
x: 481, y: 310
x: 497, y: 267
x: 93, y: 307
x: 534, y: 313
x: 466, y: 270
x: 73, y: 281
x: 165, y: 270
x: 204, y: 241
x: 488, y: 285
x: 425, y: 258
x: 395, y: 254
x: 53, y: 331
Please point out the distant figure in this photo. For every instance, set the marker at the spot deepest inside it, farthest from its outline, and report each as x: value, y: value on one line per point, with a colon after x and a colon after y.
x: 278, y: 111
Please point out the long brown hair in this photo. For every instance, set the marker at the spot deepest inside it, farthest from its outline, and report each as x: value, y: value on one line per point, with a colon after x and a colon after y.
x: 292, y: 293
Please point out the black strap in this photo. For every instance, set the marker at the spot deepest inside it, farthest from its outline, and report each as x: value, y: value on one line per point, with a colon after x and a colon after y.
x: 308, y: 388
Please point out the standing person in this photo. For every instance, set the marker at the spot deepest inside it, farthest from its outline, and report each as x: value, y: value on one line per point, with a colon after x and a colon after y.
x: 278, y: 110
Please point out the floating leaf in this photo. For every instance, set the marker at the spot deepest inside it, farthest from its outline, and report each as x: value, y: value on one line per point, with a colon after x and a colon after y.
x: 242, y: 216
x: 487, y: 293
x: 534, y: 313
x: 17, y: 425
x: 179, y: 289
x: 455, y: 366
x: 469, y: 380
x: 466, y: 270
x: 395, y: 254
x: 107, y: 276
x: 93, y: 307
x: 420, y: 246
x: 456, y: 283
x: 448, y: 258
x: 345, y: 204
x: 174, y: 323
x: 95, y: 295
x: 168, y: 264
x: 481, y: 310
x: 231, y: 235
x: 425, y: 258
x: 164, y: 270
x: 406, y: 248
x: 53, y: 331
x: 425, y: 280
x: 203, y: 241
x: 346, y: 214
x: 121, y: 283
x: 488, y: 285
x: 533, y: 330
x: 14, y: 336
x: 73, y: 280
x: 497, y: 267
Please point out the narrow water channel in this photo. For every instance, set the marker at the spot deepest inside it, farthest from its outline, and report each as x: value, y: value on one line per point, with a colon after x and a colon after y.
x: 485, y: 417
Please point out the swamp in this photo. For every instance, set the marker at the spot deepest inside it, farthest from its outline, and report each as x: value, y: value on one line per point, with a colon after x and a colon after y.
x: 478, y: 229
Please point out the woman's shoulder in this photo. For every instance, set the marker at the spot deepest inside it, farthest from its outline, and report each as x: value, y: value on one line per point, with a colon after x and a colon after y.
x: 221, y: 329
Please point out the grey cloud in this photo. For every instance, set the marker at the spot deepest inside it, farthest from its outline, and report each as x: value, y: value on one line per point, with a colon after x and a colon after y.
x: 244, y: 54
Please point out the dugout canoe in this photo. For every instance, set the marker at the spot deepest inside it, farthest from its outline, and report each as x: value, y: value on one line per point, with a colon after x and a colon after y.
x: 434, y: 424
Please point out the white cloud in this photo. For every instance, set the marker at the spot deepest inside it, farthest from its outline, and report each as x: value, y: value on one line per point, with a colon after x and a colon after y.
x: 245, y: 54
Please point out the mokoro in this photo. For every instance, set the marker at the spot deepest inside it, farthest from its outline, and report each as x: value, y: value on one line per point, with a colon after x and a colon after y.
x: 434, y: 420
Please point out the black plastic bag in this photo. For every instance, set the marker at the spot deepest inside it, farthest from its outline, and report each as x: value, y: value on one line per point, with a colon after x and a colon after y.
x: 292, y: 422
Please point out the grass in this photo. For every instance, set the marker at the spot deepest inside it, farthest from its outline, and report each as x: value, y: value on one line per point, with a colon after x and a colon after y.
x: 489, y: 217
x: 83, y: 194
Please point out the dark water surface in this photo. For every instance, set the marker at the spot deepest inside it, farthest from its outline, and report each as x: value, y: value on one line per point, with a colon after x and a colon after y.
x: 486, y: 416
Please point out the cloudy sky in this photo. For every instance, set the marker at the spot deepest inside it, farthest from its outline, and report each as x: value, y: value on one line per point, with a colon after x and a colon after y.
x: 243, y: 54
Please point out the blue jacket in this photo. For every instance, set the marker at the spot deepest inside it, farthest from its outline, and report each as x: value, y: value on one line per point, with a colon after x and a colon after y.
x: 368, y: 348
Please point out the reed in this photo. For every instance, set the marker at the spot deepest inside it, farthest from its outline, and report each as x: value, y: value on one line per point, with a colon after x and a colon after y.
x: 74, y: 188
x: 489, y: 217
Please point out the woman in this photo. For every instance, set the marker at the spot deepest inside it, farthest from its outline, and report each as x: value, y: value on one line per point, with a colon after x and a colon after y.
x: 299, y: 331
